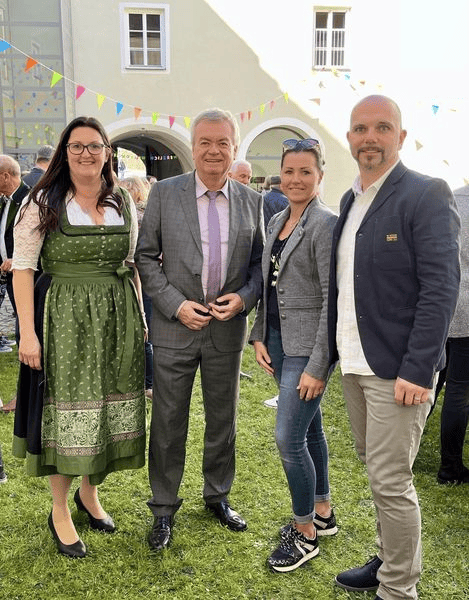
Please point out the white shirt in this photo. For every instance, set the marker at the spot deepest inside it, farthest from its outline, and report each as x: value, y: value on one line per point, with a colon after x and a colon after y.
x: 351, y: 355
x: 223, y: 207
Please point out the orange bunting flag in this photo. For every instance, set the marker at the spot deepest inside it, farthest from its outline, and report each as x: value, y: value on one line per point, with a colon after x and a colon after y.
x: 187, y: 122
x: 80, y: 91
x: 56, y: 77
x: 137, y: 112
x: 271, y: 104
x: 171, y: 121
x: 285, y: 95
x: 30, y: 63
x: 249, y: 115
x: 362, y: 82
x: 100, y: 99
x: 317, y: 100
x: 154, y: 117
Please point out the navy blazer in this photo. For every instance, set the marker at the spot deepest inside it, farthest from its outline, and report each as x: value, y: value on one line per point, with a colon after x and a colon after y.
x: 406, y: 276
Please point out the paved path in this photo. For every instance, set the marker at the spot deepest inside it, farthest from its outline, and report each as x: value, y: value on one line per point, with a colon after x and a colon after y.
x: 7, y: 320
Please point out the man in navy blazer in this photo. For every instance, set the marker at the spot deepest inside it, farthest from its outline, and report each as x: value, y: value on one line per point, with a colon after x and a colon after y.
x: 197, y: 321
x: 393, y: 289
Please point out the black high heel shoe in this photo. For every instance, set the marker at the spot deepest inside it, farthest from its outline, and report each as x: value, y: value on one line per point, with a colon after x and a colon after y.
x: 106, y: 525
x: 76, y: 550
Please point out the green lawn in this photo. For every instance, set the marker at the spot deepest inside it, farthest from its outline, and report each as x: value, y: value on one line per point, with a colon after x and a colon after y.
x: 206, y: 560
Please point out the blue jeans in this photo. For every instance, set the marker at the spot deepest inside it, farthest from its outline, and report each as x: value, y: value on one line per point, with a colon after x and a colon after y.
x: 299, y: 434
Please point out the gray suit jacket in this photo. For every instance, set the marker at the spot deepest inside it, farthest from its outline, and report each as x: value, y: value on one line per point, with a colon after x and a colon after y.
x: 170, y: 230
x: 302, y: 286
x: 459, y: 326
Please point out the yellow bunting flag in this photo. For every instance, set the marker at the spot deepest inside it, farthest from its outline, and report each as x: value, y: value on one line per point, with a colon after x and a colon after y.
x: 100, y: 99
x: 56, y: 77
x: 418, y: 145
x: 262, y: 109
x: 187, y: 122
x: 137, y: 112
x: 30, y: 63
x: 154, y: 117
x: 285, y: 95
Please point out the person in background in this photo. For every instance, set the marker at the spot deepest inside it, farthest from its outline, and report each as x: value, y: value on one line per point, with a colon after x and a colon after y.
x: 266, y: 186
x: 12, y: 193
x: 80, y: 401
x: 274, y: 200
x: 3, y: 475
x: 290, y: 340
x: 43, y: 158
x: 393, y: 289
x: 455, y: 410
x: 209, y: 229
x: 138, y: 188
x: 241, y: 171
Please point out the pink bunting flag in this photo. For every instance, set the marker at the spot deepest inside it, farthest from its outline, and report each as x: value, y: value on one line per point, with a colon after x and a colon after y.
x: 243, y: 116
x: 171, y: 121
x: 79, y: 91
x: 272, y: 104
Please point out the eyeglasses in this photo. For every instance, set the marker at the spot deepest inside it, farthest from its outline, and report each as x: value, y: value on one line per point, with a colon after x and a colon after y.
x: 78, y: 148
x: 297, y: 145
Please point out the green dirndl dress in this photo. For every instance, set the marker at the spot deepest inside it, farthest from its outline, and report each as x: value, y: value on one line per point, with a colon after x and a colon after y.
x: 84, y: 414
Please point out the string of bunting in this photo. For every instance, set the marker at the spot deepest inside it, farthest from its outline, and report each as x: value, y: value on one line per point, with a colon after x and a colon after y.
x: 137, y: 110
x: 355, y: 85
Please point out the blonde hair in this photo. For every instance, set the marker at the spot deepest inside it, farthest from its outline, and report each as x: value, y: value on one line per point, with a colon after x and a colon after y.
x: 138, y: 190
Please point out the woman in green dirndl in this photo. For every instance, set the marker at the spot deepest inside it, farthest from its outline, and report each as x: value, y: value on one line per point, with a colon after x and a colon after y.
x: 81, y: 403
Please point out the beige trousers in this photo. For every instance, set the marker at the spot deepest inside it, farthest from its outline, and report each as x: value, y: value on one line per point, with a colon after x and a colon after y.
x: 387, y: 438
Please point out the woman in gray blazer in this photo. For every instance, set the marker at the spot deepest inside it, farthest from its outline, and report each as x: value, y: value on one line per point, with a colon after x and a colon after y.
x: 290, y: 340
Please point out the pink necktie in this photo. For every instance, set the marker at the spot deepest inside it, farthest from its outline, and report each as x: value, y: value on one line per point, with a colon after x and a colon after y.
x: 214, y: 246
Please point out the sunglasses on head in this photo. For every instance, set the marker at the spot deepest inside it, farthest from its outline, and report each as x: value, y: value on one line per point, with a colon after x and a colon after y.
x: 297, y: 145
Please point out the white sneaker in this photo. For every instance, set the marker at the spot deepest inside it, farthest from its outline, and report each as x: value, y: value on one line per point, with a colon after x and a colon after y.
x: 271, y: 402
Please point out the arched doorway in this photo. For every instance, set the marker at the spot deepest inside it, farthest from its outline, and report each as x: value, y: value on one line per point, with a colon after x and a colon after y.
x: 164, y: 152
x: 262, y: 146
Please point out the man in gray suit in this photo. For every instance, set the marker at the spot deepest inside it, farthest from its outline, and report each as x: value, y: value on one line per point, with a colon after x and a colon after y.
x: 393, y: 288
x: 199, y: 257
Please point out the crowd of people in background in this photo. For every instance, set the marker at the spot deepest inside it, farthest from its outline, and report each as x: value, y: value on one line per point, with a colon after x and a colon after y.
x: 124, y: 289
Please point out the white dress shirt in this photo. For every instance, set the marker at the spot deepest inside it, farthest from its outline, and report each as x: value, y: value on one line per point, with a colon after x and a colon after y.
x: 351, y: 355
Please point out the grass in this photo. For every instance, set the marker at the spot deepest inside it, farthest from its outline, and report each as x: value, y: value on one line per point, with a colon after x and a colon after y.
x: 206, y: 560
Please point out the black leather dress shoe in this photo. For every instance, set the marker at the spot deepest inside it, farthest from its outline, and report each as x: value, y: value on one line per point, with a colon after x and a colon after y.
x: 361, y: 579
x: 76, y: 550
x: 106, y: 525
x: 160, y: 535
x: 227, y: 516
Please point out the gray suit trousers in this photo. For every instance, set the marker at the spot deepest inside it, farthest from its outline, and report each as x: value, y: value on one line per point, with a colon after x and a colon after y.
x: 174, y: 372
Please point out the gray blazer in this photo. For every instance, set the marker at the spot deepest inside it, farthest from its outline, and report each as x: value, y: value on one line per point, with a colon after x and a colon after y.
x: 302, y: 286
x: 459, y: 326
x: 170, y: 230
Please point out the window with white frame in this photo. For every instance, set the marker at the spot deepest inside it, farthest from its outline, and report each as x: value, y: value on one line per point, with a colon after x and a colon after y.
x: 145, y: 35
x: 329, y: 38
